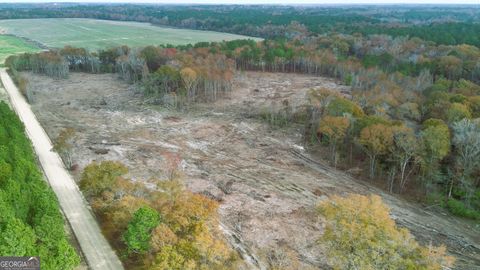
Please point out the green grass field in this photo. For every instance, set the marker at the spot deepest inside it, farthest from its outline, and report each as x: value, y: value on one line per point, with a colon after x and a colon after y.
x: 97, y: 34
x: 12, y: 45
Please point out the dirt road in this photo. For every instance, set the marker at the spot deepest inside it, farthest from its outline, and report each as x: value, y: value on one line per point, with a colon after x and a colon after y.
x: 98, y: 253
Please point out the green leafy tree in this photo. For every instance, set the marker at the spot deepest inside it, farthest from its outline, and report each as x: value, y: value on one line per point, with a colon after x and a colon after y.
x: 139, y: 230
x: 436, y: 145
x: 63, y: 257
x: 16, y: 238
x: 341, y: 106
x: 30, y: 222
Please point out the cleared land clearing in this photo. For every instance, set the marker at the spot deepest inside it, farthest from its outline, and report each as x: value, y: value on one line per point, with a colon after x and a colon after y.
x: 100, y: 34
x: 266, y: 182
x: 12, y: 45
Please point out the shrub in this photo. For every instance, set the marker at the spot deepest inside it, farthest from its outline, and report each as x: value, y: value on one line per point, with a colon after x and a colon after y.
x: 99, y: 177
x: 436, y: 198
x: 20, y: 81
x: 460, y: 209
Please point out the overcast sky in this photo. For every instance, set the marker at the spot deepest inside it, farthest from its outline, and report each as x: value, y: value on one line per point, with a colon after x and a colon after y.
x: 263, y: 1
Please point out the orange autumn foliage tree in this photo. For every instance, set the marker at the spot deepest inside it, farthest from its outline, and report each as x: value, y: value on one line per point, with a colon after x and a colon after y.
x: 361, y: 235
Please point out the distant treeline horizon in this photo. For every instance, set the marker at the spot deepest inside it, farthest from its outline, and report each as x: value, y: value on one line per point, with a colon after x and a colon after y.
x: 444, y: 24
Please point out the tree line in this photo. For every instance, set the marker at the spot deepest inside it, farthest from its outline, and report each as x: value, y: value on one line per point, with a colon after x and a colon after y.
x: 31, y: 223
x: 173, y: 77
x: 444, y: 33
x: 450, y: 25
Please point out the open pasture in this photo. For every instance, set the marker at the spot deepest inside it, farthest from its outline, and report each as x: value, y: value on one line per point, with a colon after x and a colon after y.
x: 100, y: 34
x: 12, y: 45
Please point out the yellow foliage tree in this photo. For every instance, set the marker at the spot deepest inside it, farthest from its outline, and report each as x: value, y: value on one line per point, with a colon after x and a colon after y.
x: 99, y: 177
x: 189, y: 238
x: 376, y: 140
x: 335, y: 128
x: 361, y: 235
x: 189, y: 78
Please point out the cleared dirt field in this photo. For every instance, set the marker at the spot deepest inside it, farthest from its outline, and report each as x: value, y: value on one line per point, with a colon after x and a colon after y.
x: 267, y: 183
x: 100, y: 34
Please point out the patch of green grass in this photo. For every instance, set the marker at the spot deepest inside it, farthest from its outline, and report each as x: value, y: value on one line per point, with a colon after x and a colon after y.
x: 12, y: 45
x: 100, y: 34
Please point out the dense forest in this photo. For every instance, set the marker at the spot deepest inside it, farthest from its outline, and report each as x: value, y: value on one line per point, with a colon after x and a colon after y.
x: 31, y: 223
x: 447, y: 24
x: 449, y: 33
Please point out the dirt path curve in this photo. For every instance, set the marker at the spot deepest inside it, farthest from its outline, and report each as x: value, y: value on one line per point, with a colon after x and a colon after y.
x: 98, y: 253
